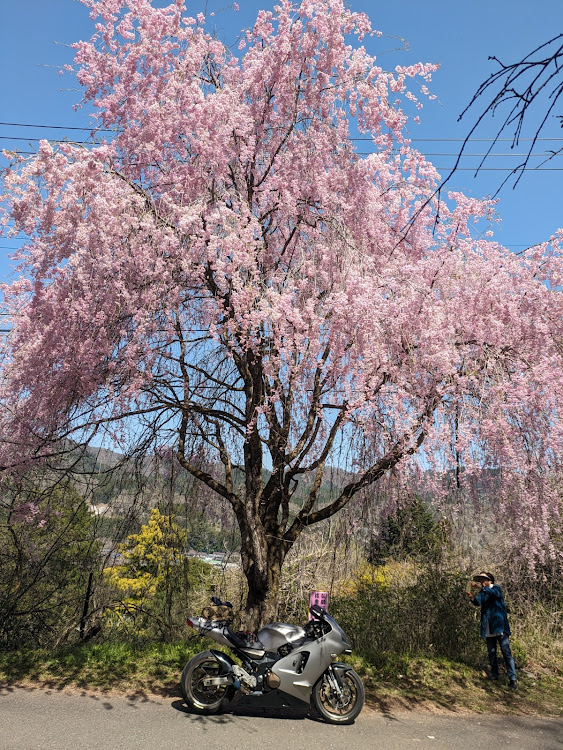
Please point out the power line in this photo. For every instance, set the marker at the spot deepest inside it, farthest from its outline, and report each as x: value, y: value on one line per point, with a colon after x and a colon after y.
x: 509, y: 245
x: 369, y: 153
x: 417, y: 140
x: 56, y: 127
x: 51, y: 140
x: 549, y: 154
x: 466, y: 140
x: 539, y: 153
x: 501, y: 169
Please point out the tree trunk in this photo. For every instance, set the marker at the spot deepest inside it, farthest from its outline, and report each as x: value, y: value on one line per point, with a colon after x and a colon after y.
x: 263, y: 575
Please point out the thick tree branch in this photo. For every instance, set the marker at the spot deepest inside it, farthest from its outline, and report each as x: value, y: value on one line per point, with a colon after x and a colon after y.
x: 402, y: 448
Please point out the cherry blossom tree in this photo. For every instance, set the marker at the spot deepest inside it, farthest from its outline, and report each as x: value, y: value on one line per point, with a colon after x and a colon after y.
x: 227, y: 275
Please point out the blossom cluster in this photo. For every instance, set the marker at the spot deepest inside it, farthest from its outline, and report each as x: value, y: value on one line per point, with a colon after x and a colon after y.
x: 228, y: 258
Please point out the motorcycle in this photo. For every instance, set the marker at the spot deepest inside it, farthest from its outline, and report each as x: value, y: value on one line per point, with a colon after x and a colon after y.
x: 282, y: 666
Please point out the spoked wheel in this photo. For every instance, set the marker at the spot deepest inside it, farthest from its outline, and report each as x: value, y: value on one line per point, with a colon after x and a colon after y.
x: 201, y: 697
x: 339, y: 702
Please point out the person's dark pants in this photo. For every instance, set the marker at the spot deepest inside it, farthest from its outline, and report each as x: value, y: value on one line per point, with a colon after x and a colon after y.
x: 504, y: 643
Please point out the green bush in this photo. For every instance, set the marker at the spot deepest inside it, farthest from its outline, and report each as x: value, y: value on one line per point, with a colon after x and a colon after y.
x: 48, y: 548
x: 154, y: 583
x: 409, y: 532
x: 403, y: 609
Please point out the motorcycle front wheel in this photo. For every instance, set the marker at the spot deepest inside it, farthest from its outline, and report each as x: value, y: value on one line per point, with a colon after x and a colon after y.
x: 339, y: 706
x: 201, y: 698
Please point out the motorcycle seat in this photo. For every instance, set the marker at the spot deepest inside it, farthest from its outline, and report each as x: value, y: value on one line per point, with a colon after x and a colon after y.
x: 242, y: 642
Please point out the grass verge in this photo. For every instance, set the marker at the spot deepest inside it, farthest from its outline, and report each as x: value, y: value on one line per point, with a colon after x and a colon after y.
x: 150, y: 668
x: 437, y: 684
x: 402, y: 683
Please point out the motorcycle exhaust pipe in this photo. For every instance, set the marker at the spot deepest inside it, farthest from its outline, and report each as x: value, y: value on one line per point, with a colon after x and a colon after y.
x: 215, y: 681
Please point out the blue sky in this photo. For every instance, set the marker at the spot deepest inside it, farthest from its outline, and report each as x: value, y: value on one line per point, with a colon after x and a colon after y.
x: 35, y: 34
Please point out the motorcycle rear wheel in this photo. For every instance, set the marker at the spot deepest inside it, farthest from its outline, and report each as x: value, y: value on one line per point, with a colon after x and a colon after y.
x: 335, y: 708
x: 200, y: 698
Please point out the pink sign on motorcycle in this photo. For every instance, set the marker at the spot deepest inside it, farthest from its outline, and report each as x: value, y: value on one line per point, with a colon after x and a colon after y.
x: 320, y: 598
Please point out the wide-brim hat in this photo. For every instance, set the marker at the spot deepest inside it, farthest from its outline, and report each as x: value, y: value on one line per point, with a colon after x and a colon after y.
x: 482, y: 577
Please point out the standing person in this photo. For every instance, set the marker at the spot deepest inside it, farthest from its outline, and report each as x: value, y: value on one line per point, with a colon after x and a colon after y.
x: 494, y: 624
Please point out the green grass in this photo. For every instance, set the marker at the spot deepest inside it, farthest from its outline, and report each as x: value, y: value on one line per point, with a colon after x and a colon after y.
x: 440, y: 684
x: 144, y: 668
x: 400, y: 683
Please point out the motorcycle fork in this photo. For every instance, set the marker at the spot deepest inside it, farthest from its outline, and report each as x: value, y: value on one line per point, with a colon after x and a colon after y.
x: 334, y: 682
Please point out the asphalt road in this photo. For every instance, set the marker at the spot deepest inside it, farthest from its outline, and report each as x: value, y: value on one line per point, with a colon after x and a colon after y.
x: 51, y: 720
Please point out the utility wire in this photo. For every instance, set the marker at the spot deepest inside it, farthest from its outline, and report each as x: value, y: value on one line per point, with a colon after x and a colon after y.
x: 369, y: 153
x: 468, y: 140
x: 418, y: 140
x: 509, y: 245
x: 56, y: 127
x: 502, y: 169
x: 51, y: 140
x: 360, y: 153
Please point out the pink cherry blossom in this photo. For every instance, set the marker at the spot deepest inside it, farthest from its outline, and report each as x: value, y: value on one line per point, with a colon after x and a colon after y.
x: 230, y: 274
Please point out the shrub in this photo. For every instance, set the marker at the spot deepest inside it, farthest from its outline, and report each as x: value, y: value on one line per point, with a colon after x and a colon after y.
x: 153, y: 584
x: 401, y: 608
x: 48, y: 550
x: 409, y: 532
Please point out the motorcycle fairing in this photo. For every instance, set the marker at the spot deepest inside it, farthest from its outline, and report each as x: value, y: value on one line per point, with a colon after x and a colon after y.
x: 276, y: 698
x: 277, y: 634
x: 300, y: 682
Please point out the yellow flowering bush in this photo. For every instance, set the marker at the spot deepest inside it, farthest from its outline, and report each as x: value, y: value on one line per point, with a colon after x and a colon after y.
x: 151, y: 583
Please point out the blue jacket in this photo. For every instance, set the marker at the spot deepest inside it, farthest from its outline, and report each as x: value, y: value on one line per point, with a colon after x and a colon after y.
x: 493, y: 609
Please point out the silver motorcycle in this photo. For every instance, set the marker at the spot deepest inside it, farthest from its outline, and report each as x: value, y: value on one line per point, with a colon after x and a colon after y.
x: 282, y: 666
